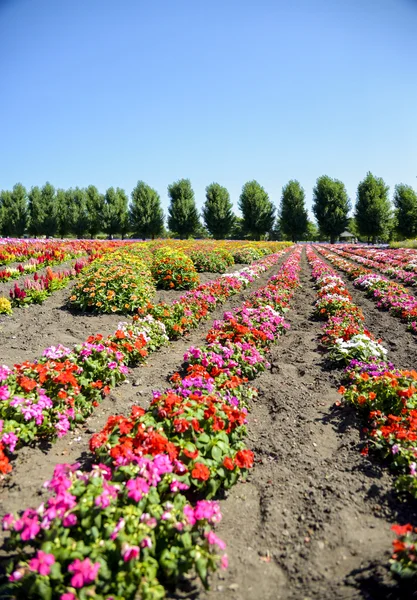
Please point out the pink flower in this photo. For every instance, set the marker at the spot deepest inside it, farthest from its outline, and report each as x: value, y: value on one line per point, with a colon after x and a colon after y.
x: 70, y: 520
x: 213, y: 539
x: 137, y: 487
x: 42, y: 563
x: 4, y: 392
x: 84, y: 571
x: 68, y: 596
x: 224, y: 562
x: 130, y: 552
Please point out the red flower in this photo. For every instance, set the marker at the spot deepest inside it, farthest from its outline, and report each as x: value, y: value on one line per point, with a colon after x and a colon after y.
x: 200, y: 471
x: 402, y: 529
x: 190, y: 454
x: 137, y: 411
x: 228, y: 463
x: 244, y: 459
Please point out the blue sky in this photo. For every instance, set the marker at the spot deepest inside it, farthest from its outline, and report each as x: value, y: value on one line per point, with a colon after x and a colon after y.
x: 106, y: 93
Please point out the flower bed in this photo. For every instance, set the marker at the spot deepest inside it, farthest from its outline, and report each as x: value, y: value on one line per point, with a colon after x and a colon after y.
x: 125, y: 527
x: 387, y: 294
x: 48, y: 396
x: 173, y: 270
x: 386, y: 397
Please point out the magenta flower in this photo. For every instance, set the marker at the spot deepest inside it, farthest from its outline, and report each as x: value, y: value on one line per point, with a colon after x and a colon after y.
x: 130, y: 552
x: 84, y: 571
x: 137, y: 488
x: 4, y: 392
x: 42, y: 562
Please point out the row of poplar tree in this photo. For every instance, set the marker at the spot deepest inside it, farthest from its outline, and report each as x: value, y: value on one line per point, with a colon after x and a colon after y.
x: 85, y: 212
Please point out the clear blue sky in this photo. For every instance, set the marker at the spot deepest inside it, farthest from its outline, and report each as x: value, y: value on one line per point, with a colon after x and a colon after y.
x: 108, y: 92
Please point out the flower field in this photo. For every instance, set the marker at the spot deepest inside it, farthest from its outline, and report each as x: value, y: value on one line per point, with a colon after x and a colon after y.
x: 208, y: 420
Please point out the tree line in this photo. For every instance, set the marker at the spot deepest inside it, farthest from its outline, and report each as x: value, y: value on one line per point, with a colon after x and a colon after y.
x: 85, y: 212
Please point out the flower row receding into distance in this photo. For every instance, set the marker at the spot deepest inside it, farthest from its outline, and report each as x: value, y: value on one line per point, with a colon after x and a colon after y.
x: 388, y: 295
x: 46, y: 397
x: 125, y: 529
x: 385, y: 396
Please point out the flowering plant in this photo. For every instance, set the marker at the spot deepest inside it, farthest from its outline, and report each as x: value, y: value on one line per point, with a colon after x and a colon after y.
x: 172, y: 269
x: 117, y: 284
x: 112, y: 533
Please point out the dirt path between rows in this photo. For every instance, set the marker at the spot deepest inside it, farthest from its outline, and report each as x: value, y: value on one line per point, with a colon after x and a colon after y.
x: 34, y: 465
x: 400, y: 343
x: 313, y: 520
x: 31, y: 329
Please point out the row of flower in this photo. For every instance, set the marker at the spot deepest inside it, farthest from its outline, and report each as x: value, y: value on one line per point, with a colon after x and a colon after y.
x: 386, y: 262
x: 132, y: 527
x: 121, y: 282
x: 46, y: 397
x: 387, y: 294
x: 34, y: 264
x: 385, y: 396
x: 44, y: 251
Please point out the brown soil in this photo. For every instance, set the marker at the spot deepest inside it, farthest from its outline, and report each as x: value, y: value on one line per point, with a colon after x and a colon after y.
x: 313, y: 519
x: 25, y: 334
x: 34, y: 465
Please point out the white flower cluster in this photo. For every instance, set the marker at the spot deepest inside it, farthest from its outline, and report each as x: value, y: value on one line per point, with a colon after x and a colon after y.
x: 360, y: 346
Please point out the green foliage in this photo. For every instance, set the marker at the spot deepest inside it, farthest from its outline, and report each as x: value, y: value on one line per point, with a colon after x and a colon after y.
x: 14, y: 211
x: 115, y: 215
x: 331, y: 206
x: 35, y: 211
x: 373, y: 211
x: 146, y: 214
x: 95, y: 205
x: 182, y: 213
x: 49, y: 210
x: 258, y: 212
x: 293, y: 214
x: 312, y: 233
x: 218, y: 211
x: 405, y: 202
x: 77, y: 212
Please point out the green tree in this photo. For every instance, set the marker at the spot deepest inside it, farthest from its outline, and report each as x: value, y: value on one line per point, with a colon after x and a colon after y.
x: 115, y: 214
x: 258, y: 212
x: 331, y: 206
x: 36, y: 212
x: 218, y: 211
x: 95, y: 205
x: 76, y: 211
x: 405, y: 202
x: 237, y: 232
x: 50, y: 210
x: 373, y: 210
x: 182, y: 212
x: 14, y: 211
x: 312, y: 232
x: 146, y: 214
x: 64, y: 223
x: 293, y: 213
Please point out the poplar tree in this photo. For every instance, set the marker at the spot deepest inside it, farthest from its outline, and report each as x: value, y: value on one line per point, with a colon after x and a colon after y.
x: 293, y: 217
x: 115, y: 215
x: 373, y: 210
x: 218, y: 211
x: 182, y: 212
x: 331, y: 206
x: 258, y: 212
x: 14, y: 211
x: 146, y: 215
x: 405, y: 202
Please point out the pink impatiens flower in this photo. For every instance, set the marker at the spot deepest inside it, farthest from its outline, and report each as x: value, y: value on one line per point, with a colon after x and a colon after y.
x: 137, y: 487
x: 42, y: 562
x: 84, y: 571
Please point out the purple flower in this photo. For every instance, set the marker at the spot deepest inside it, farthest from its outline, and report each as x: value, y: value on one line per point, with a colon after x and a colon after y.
x: 4, y: 392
